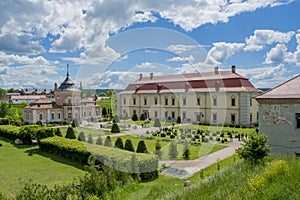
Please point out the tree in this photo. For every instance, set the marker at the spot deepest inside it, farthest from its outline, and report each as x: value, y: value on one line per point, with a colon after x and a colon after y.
x: 99, y: 140
x: 158, y: 151
x: 102, y: 94
x: 186, y: 151
x: 143, y: 117
x: 110, y: 93
x: 3, y: 109
x: 119, y: 143
x: 75, y: 123
x: 2, y: 92
x: 90, y: 139
x: 255, y: 148
x: 70, y: 133
x: 58, y: 132
x: 141, y: 148
x: 173, y: 153
x: 134, y: 117
x: 178, y: 121
x: 157, y: 123
x: 81, y: 137
x: 128, y: 145
x: 107, y: 141
x: 115, y: 128
x: 104, y: 112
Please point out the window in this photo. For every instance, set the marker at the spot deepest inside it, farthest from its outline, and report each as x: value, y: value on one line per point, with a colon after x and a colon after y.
x: 52, y: 116
x: 297, y: 120
x: 166, y: 101
x: 198, y: 117
x: 183, y: 115
x: 250, y: 101
x: 41, y: 116
x: 134, y: 101
x: 84, y: 113
x: 215, y: 117
x: 233, y: 118
x: 184, y: 101
x: 70, y: 115
x: 124, y: 101
x: 59, y: 115
x: 90, y: 113
x: 155, y: 114
x: 69, y: 100
x: 198, y: 101
x: 173, y: 101
x: 155, y: 100
x: 232, y: 101
x: 145, y: 101
x: 251, y: 118
x: 215, y: 101
x: 173, y: 115
x: 166, y: 114
x: 97, y: 113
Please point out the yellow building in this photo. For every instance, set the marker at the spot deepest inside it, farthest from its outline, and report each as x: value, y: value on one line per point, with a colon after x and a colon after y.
x: 219, y: 97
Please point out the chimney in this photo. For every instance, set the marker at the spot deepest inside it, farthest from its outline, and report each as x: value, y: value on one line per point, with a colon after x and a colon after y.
x: 233, y: 68
x: 217, y: 85
x: 216, y: 70
x: 141, y: 76
x: 186, y: 86
x: 151, y: 75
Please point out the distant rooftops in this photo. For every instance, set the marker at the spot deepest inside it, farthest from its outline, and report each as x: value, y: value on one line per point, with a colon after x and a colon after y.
x: 197, y: 82
x: 287, y: 90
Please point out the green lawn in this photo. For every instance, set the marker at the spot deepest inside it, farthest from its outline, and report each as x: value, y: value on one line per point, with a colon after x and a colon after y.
x: 18, y: 108
x: 87, y: 131
x: 19, y: 165
x: 140, y: 122
x: 196, y: 151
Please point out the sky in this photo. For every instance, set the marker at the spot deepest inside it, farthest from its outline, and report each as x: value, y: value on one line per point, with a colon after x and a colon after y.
x: 108, y: 43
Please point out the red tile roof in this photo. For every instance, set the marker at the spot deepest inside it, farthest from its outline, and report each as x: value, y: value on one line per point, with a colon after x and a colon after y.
x: 197, y: 82
x: 27, y: 97
x: 287, y: 90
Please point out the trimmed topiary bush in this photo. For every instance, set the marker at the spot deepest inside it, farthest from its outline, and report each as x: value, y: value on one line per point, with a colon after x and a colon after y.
x: 173, y: 153
x: 141, y: 148
x: 129, y: 145
x: 157, y: 123
x: 119, y: 143
x: 107, y: 141
x: 172, y: 136
x: 90, y: 139
x: 134, y: 117
x: 58, y: 132
x: 70, y: 133
x: 178, y: 121
x: 99, y: 140
x: 115, y: 128
x: 158, y: 151
x: 142, y: 117
x: 81, y: 137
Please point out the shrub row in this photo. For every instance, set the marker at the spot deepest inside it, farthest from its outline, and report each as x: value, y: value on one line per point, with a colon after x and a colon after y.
x: 117, y: 159
x: 26, y: 133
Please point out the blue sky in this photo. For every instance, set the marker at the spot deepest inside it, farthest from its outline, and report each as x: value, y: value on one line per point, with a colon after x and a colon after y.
x: 109, y: 43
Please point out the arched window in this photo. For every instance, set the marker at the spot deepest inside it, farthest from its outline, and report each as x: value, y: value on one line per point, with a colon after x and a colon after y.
x: 145, y: 100
x: 52, y: 116
x: 155, y: 100
x: 59, y: 115
x: 41, y: 117
x: 69, y: 100
x: 133, y: 100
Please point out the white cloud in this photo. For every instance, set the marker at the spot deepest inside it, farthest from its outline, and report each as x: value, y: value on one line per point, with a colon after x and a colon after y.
x: 181, y: 59
x: 279, y: 54
x: 297, y: 52
x: 147, y: 65
x: 270, y: 74
x: 23, y: 60
x: 4, y: 70
x: 181, y: 48
x: 260, y: 38
x: 222, y: 51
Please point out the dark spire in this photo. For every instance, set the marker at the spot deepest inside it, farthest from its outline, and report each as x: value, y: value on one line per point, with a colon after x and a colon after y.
x: 67, y: 70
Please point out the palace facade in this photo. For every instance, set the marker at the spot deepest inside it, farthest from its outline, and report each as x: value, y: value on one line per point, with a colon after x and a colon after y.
x: 219, y: 97
x: 65, y: 103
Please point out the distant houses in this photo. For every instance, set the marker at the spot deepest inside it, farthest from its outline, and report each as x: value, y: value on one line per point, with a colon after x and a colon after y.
x: 279, y: 116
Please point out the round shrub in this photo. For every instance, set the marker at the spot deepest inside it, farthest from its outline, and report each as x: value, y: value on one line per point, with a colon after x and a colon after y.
x: 128, y: 145
x: 115, y: 128
x: 119, y: 143
x: 218, y: 139
x: 172, y: 136
x: 197, y: 136
x: 189, y: 135
x: 182, y: 136
x: 211, y: 138
x: 162, y: 135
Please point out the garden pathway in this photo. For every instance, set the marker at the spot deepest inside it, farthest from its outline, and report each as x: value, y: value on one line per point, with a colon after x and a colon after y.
x: 180, y: 168
x: 187, y: 168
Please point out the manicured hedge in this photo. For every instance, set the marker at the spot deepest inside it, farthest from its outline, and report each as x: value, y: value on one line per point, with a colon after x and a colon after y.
x: 26, y: 133
x: 115, y: 158
x: 65, y: 147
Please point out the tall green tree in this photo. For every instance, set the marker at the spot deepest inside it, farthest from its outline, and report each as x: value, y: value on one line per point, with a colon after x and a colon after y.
x: 104, y: 112
x: 255, y: 148
x: 186, y: 150
x: 2, y: 92
x: 3, y: 109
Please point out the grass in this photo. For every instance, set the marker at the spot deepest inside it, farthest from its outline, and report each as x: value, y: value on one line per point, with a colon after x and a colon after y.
x: 87, y: 131
x: 150, y: 124
x: 196, y: 151
x: 164, y: 185
x: 22, y: 163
